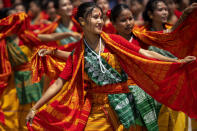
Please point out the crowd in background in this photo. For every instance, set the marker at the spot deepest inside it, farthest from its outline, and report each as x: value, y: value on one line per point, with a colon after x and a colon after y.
x: 44, y: 11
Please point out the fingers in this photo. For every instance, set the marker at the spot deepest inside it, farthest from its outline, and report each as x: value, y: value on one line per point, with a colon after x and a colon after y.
x: 190, y: 8
x: 194, y: 4
x: 189, y: 59
x: 42, y: 52
x: 29, y: 120
x: 30, y: 117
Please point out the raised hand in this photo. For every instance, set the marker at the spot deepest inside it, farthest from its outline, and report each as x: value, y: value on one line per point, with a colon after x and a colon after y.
x: 189, y: 9
x: 43, y: 52
x: 187, y: 59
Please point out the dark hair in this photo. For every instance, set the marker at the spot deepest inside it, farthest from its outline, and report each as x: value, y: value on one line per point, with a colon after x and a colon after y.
x: 4, y: 12
x: 56, y: 4
x: 115, y: 12
x: 192, y: 1
x: 138, y: 1
x: 85, y: 9
x: 95, y: 1
x: 150, y: 7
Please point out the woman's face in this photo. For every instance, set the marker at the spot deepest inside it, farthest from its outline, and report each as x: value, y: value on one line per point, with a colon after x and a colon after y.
x: 34, y: 8
x: 160, y: 14
x: 20, y: 8
x: 51, y: 11
x: 124, y: 22
x: 65, y: 8
x: 104, y: 5
x: 94, y: 22
x: 136, y: 7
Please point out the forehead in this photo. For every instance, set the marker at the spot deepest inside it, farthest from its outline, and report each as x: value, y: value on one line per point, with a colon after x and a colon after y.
x: 161, y: 5
x: 19, y: 6
x: 101, y: 1
x: 64, y: 1
x: 125, y: 13
x: 96, y: 11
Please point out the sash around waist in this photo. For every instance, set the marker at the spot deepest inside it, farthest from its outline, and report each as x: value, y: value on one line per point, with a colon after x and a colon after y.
x: 23, y: 67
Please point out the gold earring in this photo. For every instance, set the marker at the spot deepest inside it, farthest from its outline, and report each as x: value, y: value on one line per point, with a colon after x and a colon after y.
x: 82, y: 23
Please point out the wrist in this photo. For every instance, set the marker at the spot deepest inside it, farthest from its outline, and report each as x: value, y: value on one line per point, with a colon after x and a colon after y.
x: 180, y: 60
x: 54, y: 51
x: 34, y: 110
x: 68, y: 34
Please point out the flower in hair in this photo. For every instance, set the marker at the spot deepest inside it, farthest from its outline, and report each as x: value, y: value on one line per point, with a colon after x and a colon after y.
x: 74, y: 12
x: 108, y: 13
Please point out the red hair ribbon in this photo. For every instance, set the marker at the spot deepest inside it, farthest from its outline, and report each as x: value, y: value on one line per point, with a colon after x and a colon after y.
x: 108, y: 13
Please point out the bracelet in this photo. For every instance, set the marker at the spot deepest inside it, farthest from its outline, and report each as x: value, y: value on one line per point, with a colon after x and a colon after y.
x: 33, y: 110
x: 54, y: 51
x: 167, y: 31
x: 180, y: 60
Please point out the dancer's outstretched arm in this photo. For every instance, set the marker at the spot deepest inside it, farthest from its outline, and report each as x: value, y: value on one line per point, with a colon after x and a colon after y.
x: 152, y: 54
x: 54, y: 52
x: 51, y: 92
x: 58, y: 36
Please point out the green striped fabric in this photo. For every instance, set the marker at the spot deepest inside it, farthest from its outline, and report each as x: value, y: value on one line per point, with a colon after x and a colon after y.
x: 136, y: 107
x: 27, y: 91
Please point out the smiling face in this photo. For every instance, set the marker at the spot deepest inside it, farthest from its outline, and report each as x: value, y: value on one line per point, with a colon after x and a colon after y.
x: 65, y: 8
x: 94, y: 22
x: 160, y: 14
x: 124, y: 22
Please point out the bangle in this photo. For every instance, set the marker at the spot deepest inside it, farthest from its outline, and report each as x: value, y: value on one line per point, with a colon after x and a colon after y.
x: 33, y: 110
x: 180, y: 60
x: 54, y: 51
x: 167, y: 31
